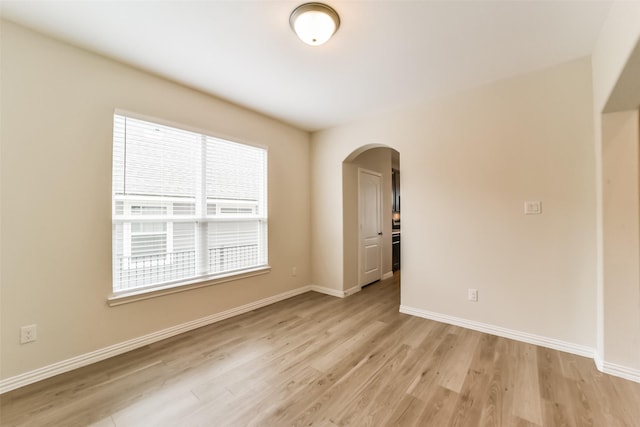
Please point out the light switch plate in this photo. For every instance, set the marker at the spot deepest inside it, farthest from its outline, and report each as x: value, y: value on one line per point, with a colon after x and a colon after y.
x: 533, y: 207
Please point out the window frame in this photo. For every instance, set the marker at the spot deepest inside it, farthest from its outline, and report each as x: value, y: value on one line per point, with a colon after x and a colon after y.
x: 137, y: 293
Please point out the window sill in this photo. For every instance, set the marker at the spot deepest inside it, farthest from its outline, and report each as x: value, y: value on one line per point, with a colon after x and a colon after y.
x: 133, y: 295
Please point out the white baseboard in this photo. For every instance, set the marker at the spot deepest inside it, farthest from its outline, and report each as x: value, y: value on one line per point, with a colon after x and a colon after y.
x: 76, y: 362
x: 387, y: 275
x: 553, y: 343
x: 327, y: 291
x: 621, y: 371
x: 335, y: 292
x: 631, y: 374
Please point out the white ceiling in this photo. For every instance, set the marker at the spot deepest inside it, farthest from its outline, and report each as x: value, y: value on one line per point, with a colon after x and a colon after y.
x: 386, y: 54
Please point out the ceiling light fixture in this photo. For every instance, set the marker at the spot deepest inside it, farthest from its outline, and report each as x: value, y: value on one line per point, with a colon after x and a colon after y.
x: 314, y: 23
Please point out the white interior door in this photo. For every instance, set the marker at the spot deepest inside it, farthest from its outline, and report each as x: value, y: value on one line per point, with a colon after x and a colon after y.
x: 370, y: 222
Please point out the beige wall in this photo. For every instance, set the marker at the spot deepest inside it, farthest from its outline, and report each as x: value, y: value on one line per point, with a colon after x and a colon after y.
x: 377, y: 160
x: 56, y: 141
x: 615, y: 61
x: 468, y: 164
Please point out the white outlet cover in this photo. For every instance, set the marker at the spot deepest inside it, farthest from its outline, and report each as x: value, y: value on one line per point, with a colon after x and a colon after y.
x: 533, y: 207
x: 28, y: 334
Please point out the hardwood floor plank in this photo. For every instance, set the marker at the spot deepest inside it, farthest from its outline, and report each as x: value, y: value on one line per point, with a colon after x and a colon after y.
x: 455, y: 367
x: 550, y: 378
x: 406, y: 413
x: 427, y: 379
x: 163, y: 406
x: 439, y: 407
x: 471, y: 399
x: 105, y: 422
x: 492, y: 409
x: 326, y: 362
x: 475, y: 391
x: 382, y: 393
x: 527, y: 404
x: 349, y: 380
x: 414, y: 331
x: 265, y: 401
x: 556, y: 414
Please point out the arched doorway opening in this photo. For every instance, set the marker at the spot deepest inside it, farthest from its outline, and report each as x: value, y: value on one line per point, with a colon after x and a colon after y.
x: 370, y: 161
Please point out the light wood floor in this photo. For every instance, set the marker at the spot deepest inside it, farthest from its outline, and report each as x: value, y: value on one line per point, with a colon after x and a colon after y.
x: 323, y: 361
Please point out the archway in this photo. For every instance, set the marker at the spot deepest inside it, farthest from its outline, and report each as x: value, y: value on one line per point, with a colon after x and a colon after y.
x: 381, y: 159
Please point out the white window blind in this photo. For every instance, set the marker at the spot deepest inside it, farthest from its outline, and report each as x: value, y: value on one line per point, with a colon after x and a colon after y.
x: 186, y: 206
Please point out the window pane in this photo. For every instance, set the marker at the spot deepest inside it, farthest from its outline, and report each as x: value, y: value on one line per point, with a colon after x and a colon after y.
x: 234, y: 245
x: 154, y: 159
x: 184, y: 236
x: 148, y: 244
x: 184, y: 208
x: 177, y: 218
x: 148, y: 210
x: 148, y: 227
x: 235, y: 172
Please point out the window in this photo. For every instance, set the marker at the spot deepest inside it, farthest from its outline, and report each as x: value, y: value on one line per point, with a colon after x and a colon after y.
x: 186, y: 206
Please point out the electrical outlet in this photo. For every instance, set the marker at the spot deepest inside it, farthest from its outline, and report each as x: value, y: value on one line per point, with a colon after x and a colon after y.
x: 294, y: 271
x: 473, y: 295
x: 28, y: 333
x: 533, y: 207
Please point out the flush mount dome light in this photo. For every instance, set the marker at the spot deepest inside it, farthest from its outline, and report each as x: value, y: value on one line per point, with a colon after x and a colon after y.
x: 314, y: 23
